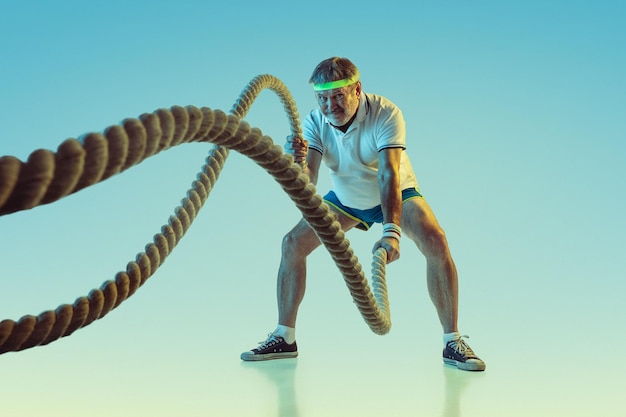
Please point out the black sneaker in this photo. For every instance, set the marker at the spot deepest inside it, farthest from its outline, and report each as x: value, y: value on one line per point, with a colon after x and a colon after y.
x: 274, y: 347
x: 458, y: 353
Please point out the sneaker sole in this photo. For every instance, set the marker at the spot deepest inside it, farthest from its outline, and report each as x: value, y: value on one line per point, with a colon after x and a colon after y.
x: 464, y: 366
x: 267, y: 356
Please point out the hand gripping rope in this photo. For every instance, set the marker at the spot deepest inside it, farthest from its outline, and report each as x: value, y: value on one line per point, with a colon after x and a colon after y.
x: 47, y: 177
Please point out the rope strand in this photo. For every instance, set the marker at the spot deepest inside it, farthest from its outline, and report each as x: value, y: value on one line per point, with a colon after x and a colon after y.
x: 47, y: 177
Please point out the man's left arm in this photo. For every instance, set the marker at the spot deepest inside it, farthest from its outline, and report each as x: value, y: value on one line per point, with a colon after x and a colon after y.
x: 391, y: 201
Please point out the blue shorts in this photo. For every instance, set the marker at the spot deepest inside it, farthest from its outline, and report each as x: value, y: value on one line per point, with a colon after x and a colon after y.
x: 366, y: 218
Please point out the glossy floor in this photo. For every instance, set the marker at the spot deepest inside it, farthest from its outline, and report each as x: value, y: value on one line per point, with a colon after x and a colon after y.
x: 170, y: 373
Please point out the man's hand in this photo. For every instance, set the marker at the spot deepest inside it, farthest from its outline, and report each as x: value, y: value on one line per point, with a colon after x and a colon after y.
x: 391, y: 245
x: 298, y: 147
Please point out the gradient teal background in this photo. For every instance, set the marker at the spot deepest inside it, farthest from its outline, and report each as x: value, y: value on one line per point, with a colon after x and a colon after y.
x: 516, y: 119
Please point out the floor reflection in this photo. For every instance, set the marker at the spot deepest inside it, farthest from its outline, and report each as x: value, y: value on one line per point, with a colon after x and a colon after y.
x: 281, y: 375
x: 455, y: 383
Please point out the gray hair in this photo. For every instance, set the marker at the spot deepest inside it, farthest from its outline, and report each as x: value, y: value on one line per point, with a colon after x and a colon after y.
x: 333, y: 69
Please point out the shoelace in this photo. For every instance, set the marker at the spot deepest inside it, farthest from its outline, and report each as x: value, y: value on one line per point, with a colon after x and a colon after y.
x: 461, y: 347
x: 271, y: 340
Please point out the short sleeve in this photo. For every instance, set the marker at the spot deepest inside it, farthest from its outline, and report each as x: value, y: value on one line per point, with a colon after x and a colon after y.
x: 311, y: 131
x: 391, y: 130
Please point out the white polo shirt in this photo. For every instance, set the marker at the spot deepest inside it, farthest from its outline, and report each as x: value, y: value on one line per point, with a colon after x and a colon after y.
x: 352, y: 157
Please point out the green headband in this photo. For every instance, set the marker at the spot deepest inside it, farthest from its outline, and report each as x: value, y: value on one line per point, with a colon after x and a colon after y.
x: 334, y: 84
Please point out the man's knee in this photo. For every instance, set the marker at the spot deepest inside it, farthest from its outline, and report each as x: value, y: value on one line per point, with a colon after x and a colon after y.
x: 299, y: 242
x: 434, y: 242
x: 290, y: 243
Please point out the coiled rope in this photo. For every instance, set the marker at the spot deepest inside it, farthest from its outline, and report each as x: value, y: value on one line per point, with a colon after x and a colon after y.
x: 48, y: 176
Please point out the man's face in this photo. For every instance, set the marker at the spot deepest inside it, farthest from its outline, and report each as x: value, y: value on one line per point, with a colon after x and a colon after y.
x: 339, y: 104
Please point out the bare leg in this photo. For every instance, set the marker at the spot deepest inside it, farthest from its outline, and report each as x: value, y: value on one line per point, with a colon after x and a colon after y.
x: 291, y: 285
x: 421, y: 226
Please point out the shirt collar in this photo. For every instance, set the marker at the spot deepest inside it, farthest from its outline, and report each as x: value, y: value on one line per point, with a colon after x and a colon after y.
x: 364, y: 108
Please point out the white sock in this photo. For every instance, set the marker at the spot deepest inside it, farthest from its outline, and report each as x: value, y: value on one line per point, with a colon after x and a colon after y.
x: 450, y: 336
x: 286, y: 332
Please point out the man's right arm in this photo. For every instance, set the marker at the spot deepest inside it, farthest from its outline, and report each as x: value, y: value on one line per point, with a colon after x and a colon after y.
x: 313, y: 161
x: 310, y: 161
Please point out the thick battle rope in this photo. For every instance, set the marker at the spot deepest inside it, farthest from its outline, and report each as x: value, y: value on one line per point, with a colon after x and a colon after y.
x: 48, y: 176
